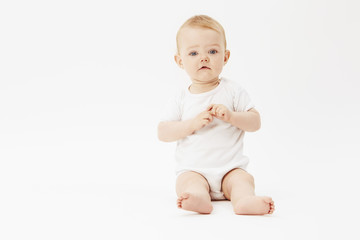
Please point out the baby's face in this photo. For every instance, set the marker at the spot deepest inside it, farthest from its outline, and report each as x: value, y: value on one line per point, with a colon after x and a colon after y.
x: 202, y: 54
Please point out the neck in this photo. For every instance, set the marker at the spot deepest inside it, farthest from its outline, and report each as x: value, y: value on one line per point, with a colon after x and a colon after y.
x: 201, y: 87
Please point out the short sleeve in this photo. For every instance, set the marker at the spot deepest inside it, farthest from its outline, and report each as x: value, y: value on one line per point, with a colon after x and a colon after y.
x: 172, y: 109
x: 242, y: 101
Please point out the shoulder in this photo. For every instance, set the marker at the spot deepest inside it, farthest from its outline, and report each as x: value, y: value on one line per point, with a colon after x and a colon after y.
x: 231, y: 86
x: 177, y: 96
x: 180, y: 94
x: 240, y: 97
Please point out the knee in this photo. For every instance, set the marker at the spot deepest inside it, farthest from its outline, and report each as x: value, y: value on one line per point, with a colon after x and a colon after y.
x: 192, y: 179
x: 244, y: 177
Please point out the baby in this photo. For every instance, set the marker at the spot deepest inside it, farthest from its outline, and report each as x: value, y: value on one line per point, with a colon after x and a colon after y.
x: 208, y: 120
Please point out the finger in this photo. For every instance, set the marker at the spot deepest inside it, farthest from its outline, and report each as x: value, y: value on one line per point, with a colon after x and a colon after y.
x: 209, y: 114
x: 218, y: 109
x: 209, y: 118
x: 209, y: 108
x: 215, y: 108
x: 222, y: 113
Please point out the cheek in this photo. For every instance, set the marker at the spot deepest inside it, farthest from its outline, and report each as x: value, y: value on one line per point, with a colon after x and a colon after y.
x: 188, y: 67
x: 219, y: 62
x: 189, y: 63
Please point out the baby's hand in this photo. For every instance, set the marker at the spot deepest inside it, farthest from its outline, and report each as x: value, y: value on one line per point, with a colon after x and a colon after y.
x: 201, y: 120
x: 220, y: 111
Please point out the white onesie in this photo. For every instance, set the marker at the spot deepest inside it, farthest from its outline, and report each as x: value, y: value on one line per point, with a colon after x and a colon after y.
x: 218, y: 147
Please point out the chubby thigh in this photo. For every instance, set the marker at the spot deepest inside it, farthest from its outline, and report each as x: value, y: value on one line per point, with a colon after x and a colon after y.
x: 211, y: 183
x: 191, y: 182
x: 238, y: 183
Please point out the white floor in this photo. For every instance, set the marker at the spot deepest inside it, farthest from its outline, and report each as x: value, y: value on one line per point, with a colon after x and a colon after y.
x: 55, y: 202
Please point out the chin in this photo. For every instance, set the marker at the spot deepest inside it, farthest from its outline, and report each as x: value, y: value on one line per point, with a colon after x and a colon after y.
x: 208, y: 80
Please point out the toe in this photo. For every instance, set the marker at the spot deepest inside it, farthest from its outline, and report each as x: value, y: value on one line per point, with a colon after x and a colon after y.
x: 184, y: 196
x: 272, y: 209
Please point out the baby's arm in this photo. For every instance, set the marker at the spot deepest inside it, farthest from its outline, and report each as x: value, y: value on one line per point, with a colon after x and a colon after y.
x: 169, y: 131
x: 248, y: 121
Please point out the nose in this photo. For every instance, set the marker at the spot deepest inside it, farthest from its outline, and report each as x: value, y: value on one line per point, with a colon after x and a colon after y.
x: 204, y: 59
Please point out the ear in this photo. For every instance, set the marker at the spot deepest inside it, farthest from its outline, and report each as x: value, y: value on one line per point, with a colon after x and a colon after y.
x: 226, y: 56
x: 178, y: 61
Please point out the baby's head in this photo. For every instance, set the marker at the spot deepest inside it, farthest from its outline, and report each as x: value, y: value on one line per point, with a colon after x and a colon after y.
x: 204, y: 22
x: 201, y: 49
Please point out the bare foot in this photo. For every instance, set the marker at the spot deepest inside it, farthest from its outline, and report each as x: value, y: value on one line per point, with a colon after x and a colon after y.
x: 195, y: 203
x: 254, y: 205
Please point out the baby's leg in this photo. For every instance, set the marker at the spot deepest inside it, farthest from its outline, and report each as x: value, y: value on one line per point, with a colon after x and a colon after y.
x: 238, y: 186
x: 193, y: 193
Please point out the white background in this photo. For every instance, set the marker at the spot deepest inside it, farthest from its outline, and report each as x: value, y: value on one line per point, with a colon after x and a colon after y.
x: 82, y: 84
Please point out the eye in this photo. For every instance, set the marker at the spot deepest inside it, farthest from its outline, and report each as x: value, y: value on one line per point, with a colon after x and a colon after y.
x: 193, y: 53
x: 213, y: 51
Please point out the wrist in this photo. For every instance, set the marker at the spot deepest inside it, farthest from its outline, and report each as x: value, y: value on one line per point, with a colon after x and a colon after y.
x: 231, y: 117
x: 189, y: 126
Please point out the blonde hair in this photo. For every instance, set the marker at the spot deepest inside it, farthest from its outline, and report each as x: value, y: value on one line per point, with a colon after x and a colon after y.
x: 201, y: 21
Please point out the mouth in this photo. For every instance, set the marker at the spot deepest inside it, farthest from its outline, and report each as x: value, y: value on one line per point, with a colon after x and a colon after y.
x: 204, y: 68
